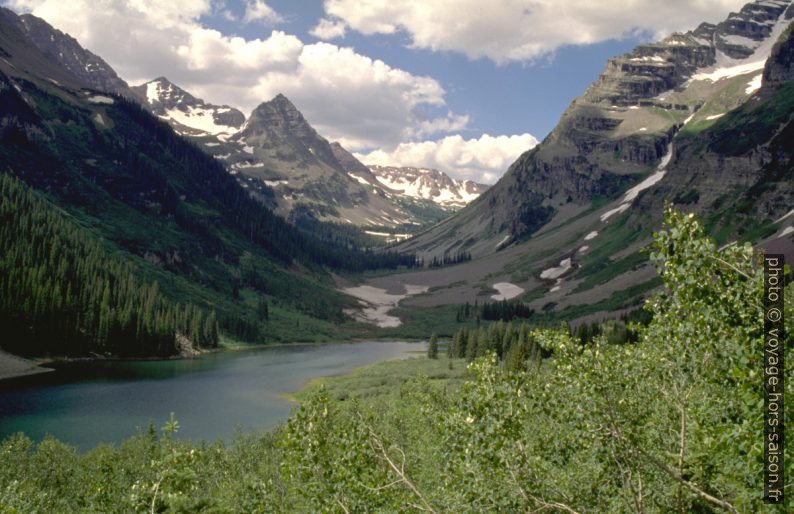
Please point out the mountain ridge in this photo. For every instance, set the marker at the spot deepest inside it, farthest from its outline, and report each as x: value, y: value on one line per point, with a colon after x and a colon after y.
x: 325, y: 191
x: 563, y: 229
x: 64, y: 49
x: 428, y: 184
x: 148, y: 246
x: 282, y: 160
x: 604, y: 143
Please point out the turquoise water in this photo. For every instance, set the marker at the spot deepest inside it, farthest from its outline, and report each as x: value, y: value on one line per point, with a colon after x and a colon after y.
x: 84, y: 404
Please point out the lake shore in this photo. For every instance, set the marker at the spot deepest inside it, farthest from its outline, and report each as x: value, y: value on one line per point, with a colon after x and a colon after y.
x: 299, y: 394
x: 212, y: 396
x: 12, y: 366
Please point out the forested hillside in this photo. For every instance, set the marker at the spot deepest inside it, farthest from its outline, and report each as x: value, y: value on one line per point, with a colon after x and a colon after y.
x: 134, y: 199
x: 62, y: 292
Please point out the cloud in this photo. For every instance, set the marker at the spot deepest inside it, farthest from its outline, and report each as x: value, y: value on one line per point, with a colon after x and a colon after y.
x: 329, y: 29
x: 259, y: 11
x: 483, y: 160
x: 521, y: 30
x: 449, y: 123
x: 359, y: 101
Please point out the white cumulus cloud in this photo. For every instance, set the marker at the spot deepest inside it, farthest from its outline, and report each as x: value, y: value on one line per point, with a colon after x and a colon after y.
x: 521, y: 30
x: 329, y: 29
x: 259, y: 11
x: 482, y: 160
x: 359, y: 101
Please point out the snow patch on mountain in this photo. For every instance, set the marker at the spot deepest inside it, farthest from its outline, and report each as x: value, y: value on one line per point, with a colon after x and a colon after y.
x: 359, y: 180
x: 100, y: 99
x: 428, y: 184
x: 557, y: 271
x: 375, y: 304
x: 506, y: 290
x: 199, y: 119
x: 172, y: 103
x: 727, y: 67
x: 754, y: 85
x: 650, y: 181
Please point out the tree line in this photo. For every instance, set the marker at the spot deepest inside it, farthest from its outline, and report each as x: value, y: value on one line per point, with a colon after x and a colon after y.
x: 504, y: 310
x: 447, y: 260
x: 514, y: 344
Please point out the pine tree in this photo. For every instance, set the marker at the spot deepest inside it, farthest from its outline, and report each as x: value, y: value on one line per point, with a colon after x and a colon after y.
x: 455, y: 350
x: 516, y: 357
x: 432, y: 347
x: 471, y: 345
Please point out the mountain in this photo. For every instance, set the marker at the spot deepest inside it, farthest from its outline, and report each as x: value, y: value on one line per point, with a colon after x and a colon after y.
x: 428, y: 184
x: 188, y: 115
x: 422, y: 211
x: 701, y: 120
x: 618, y: 131
x: 121, y: 237
x: 283, y: 162
x: 323, y: 191
x: 86, y: 66
x: 280, y: 148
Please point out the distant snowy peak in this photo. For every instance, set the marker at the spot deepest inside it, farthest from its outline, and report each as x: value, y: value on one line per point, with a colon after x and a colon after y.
x: 428, y: 184
x: 188, y: 114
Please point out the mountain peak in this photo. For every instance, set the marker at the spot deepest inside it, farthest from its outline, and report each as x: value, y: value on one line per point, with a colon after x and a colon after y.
x: 428, y: 184
x: 279, y: 103
x: 279, y: 115
x: 64, y: 49
x: 188, y: 114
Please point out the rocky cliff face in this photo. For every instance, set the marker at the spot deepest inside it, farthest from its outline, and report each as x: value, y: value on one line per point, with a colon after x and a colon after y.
x: 281, y: 132
x: 651, y: 69
x: 719, y: 142
x: 617, y: 132
x: 739, y: 171
x: 780, y: 67
x: 63, y: 48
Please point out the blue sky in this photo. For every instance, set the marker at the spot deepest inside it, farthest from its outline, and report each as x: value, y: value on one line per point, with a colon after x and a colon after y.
x: 509, y: 98
x: 464, y: 86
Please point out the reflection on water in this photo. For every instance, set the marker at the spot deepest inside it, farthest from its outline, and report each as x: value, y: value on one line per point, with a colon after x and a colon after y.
x: 87, y: 403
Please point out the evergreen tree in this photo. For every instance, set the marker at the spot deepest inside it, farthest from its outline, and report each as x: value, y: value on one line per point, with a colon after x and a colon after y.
x: 432, y: 347
x: 516, y: 357
x: 471, y: 345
